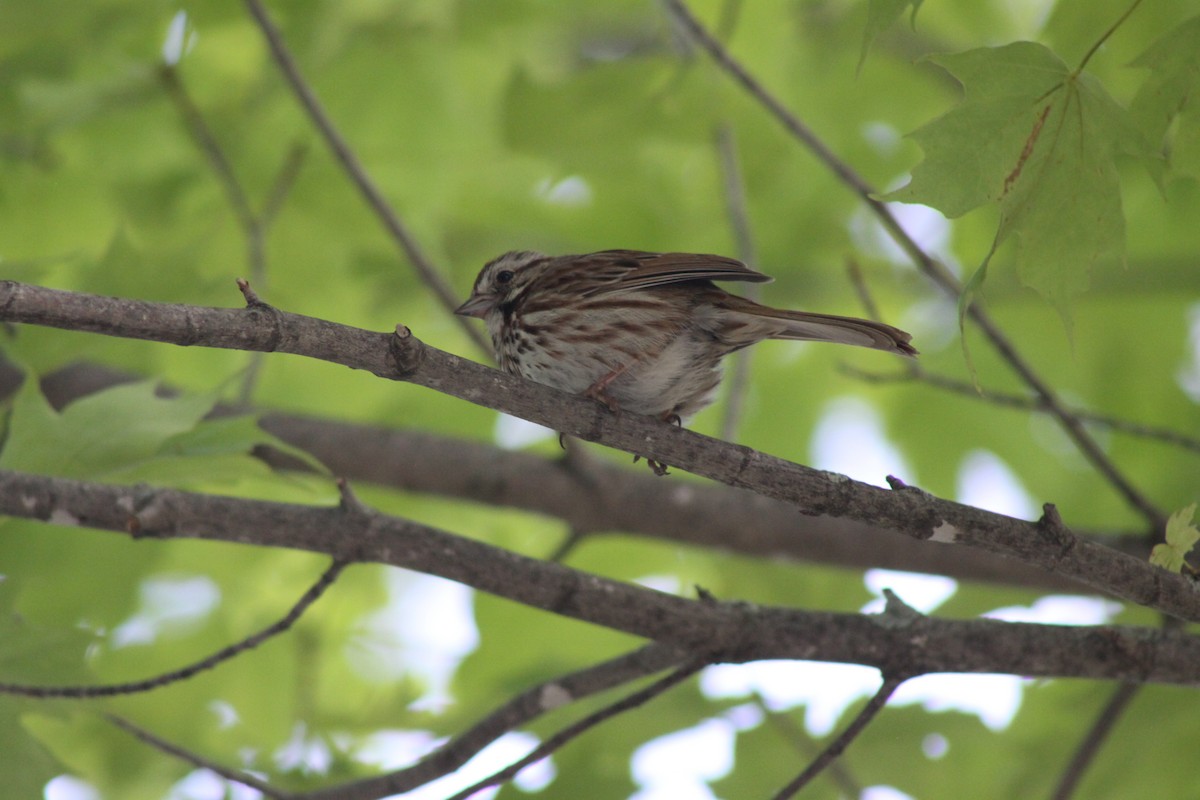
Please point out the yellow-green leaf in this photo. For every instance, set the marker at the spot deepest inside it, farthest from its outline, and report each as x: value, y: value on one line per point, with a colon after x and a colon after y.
x: 1181, y: 536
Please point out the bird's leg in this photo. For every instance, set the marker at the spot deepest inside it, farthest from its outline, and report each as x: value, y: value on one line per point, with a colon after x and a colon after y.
x: 597, y: 390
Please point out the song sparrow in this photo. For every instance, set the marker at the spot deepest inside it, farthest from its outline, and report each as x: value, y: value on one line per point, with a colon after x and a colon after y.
x: 640, y: 332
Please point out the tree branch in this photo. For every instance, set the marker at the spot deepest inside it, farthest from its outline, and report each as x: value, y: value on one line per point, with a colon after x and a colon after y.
x: 402, y: 356
x: 1091, y: 744
x: 739, y: 222
x: 521, y: 710
x: 183, y: 754
x: 605, y: 498
x: 174, y: 676
x: 575, y: 730
x: 843, y: 740
x: 729, y: 632
x: 914, y: 372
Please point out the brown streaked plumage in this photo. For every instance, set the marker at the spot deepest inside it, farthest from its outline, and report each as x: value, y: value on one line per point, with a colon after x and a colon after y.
x: 641, y: 332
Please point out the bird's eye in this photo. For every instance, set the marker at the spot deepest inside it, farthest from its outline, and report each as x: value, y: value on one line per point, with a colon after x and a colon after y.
x: 504, y: 276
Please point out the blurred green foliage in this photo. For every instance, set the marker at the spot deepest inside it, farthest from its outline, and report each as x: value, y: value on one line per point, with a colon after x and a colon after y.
x: 565, y: 126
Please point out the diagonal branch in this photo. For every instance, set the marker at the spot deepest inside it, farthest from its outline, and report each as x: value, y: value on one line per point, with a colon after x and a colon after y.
x: 213, y: 153
x: 1096, y: 735
x: 183, y: 754
x: 224, y: 654
x: 739, y: 222
x: 906, y: 510
x: 728, y: 632
x: 358, y: 175
x: 933, y: 269
x: 916, y: 373
x: 522, y: 709
x: 566, y: 735
x: 603, y: 499
x: 254, y: 225
x: 843, y: 740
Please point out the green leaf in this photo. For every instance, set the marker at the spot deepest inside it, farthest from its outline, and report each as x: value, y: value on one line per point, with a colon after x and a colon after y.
x: 1039, y: 142
x: 1181, y: 536
x: 239, y: 435
x: 128, y: 434
x: 881, y: 15
x: 1170, y: 95
x: 97, y: 433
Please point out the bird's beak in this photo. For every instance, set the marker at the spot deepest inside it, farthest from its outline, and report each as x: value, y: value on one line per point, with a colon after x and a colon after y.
x: 477, y: 306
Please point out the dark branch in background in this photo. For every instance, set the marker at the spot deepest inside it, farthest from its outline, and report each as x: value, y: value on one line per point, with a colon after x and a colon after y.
x: 428, y: 273
x: 798, y: 738
x: 254, y: 225
x: 208, y: 145
x: 224, y: 654
x: 739, y: 223
x: 1089, y: 748
x: 843, y: 740
x: 600, y: 500
x: 859, y: 282
x: 577, y: 729
x: 282, y: 185
x: 521, y: 710
x: 401, y: 356
x: 237, y: 776
x: 1021, y: 402
x: 933, y: 269
x: 896, y: 644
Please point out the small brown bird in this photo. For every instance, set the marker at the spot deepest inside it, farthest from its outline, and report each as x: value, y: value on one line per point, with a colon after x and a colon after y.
x: 640, y: 332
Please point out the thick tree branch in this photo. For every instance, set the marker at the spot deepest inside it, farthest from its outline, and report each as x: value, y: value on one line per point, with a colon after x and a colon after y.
x: 601, y: 498
x: 1047, y: 544
x: 731, y: 632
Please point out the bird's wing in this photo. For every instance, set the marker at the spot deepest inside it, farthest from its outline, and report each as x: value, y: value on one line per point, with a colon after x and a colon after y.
x: 622, y: 270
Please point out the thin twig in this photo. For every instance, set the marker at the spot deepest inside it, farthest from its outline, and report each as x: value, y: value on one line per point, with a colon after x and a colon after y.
x: 571, y: 732
x: 859, y: 282
x: 731, y: 11
x: 211, y: 149
x: 933, y: 269
x: 1091, y: 744
x: 354, y: 169
x: 237, y: 776
x: 285, y: 179
x: 914, y: 372
x: 739, y: 223
x: 790, y: 731
x: 224, y: 654
x: 568, y: 545
x: 1105, y: 36
x: 838, y: 745
x: 522, y: 709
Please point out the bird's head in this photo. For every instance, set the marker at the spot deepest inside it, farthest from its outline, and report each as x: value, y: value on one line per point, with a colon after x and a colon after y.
x: 500, y: 281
